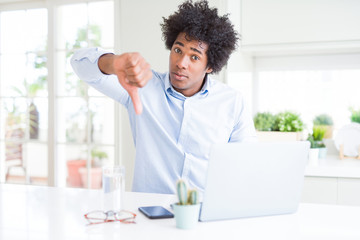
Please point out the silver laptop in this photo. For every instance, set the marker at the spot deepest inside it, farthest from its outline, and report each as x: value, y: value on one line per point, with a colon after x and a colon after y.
x: 254, y: 179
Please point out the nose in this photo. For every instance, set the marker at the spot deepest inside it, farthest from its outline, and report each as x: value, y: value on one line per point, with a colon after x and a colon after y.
x: 182, y: 62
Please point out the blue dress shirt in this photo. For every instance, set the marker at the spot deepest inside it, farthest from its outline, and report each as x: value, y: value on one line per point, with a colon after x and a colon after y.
x: 174, y: 133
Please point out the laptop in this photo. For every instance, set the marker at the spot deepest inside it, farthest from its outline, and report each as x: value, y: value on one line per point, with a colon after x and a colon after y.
x: 254, y: 179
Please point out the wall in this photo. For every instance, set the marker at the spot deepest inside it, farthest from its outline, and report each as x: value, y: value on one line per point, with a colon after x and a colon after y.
x: 307, y: 21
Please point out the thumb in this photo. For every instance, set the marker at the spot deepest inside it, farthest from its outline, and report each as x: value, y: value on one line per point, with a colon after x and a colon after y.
x: 135, y: 98
x: 132, y: 91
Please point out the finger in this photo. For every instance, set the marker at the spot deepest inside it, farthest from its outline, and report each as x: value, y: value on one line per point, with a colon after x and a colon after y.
x: 137, y: 67
x: 122, y: 79
x: 133, y: 59
x: 135, y: 98
x: 140, y: 79
x: 132, y: 91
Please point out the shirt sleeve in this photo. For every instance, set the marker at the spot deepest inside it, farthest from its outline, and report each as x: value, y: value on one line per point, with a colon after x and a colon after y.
x: 85, y: 64
x: 244, y: 130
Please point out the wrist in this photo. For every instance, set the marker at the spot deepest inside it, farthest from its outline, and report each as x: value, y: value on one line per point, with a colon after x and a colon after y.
x: 105, y: 63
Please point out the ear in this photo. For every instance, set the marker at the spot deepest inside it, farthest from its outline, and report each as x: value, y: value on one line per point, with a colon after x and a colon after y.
x: 209, y: 70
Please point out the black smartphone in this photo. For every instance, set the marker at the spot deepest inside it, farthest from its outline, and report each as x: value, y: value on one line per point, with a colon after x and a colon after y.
x: 156, y: 212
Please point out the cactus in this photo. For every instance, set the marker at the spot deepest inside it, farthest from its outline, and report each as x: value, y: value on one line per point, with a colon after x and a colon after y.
x: 182, y: 192
x: 186, y: 197
x: 193, y: 197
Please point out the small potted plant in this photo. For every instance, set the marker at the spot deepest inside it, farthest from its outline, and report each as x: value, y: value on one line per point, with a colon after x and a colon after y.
x: 188, y: 208
x: 288, y: 122
x: 264, y: 121
x: 284, y: 126
x: 314, y: 151
x: 98, y: 157
x: 318, y: 136
x: 325, y: 121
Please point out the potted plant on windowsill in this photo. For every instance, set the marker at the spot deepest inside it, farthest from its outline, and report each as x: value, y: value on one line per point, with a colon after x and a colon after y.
x: 264, y: 121
x: 318, y: 136
x: 187, y: 210
x: 317, y: 146
x: 74, y: 177
x: 314, y: 151
x: 284, y: 126
x: 98, y: 157
x: 325, y: 121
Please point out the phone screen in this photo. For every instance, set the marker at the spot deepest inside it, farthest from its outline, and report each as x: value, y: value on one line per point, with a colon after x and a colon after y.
x: 156, y: 212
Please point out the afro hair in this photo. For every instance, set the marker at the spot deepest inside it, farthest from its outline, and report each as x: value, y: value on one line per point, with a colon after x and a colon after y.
x: 202, y: 23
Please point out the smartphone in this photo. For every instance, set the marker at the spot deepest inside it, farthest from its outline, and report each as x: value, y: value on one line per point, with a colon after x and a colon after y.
x: 156, y: 212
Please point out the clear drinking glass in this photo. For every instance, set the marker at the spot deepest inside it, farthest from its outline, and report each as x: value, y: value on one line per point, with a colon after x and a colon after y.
x: 113, y: 184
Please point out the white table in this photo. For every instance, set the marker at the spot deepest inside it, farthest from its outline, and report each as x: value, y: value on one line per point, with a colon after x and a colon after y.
x: 31, y: 212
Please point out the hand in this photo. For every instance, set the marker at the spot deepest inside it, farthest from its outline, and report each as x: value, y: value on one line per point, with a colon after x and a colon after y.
x: 133, y: 72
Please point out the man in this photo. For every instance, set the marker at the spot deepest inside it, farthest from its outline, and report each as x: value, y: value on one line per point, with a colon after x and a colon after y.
x: 175, y: 117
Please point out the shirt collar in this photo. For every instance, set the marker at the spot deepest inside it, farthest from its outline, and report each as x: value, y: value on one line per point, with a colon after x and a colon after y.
x: 203, y: 92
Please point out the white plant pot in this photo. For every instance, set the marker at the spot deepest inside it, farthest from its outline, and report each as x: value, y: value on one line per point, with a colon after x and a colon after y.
x: 186, y: 216
x: 314, y: 156
x: 322, y: 153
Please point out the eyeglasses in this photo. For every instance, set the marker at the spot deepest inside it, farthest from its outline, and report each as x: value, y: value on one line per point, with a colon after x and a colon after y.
x: 97, y: 217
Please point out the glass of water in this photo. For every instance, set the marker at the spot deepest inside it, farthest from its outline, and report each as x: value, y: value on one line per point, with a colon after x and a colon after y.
x: 113, y: 184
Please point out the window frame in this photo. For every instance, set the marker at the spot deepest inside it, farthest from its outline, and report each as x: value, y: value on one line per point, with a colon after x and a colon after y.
x: 51, y: 6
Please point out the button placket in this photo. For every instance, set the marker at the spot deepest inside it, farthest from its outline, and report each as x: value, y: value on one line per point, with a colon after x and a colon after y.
x: 183, y: 139
x: 183, y: 130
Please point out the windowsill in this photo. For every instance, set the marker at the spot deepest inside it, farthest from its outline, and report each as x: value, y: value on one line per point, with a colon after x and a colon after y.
x: 333, y: 166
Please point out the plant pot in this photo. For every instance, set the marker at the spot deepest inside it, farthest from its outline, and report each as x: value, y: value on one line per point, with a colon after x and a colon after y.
x: 322, y: 152
x: 95, y: 175
x: 74, y: 177
x: 268, y: 136
x: 186, y: 216
x: 313, y: 156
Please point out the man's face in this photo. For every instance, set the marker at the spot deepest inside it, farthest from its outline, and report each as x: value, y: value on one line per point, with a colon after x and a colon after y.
x: 188, y: 65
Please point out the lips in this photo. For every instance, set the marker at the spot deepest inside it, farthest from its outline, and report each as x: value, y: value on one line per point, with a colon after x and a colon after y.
x: 179, y: 76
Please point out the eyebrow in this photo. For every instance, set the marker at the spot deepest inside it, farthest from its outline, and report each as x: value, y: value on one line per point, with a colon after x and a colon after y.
x: 194, y: 49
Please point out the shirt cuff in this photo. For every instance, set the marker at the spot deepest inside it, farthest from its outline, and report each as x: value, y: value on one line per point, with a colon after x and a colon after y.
x: 85, y: 64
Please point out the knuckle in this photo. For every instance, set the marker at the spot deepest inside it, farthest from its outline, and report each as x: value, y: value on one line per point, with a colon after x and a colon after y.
x: 137, y: 79
x: 136, y: 70
x: 141, y: 84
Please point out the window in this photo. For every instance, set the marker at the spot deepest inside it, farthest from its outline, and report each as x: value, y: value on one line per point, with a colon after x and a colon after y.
x: 309, y: 85
x: 23, y: 96
x: 84, y: 124
x: 311, y: 93
x: 86, y: 117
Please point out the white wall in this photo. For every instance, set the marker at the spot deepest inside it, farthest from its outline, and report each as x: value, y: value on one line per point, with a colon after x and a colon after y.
x: 283, y: 21
x: 298, y: 27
